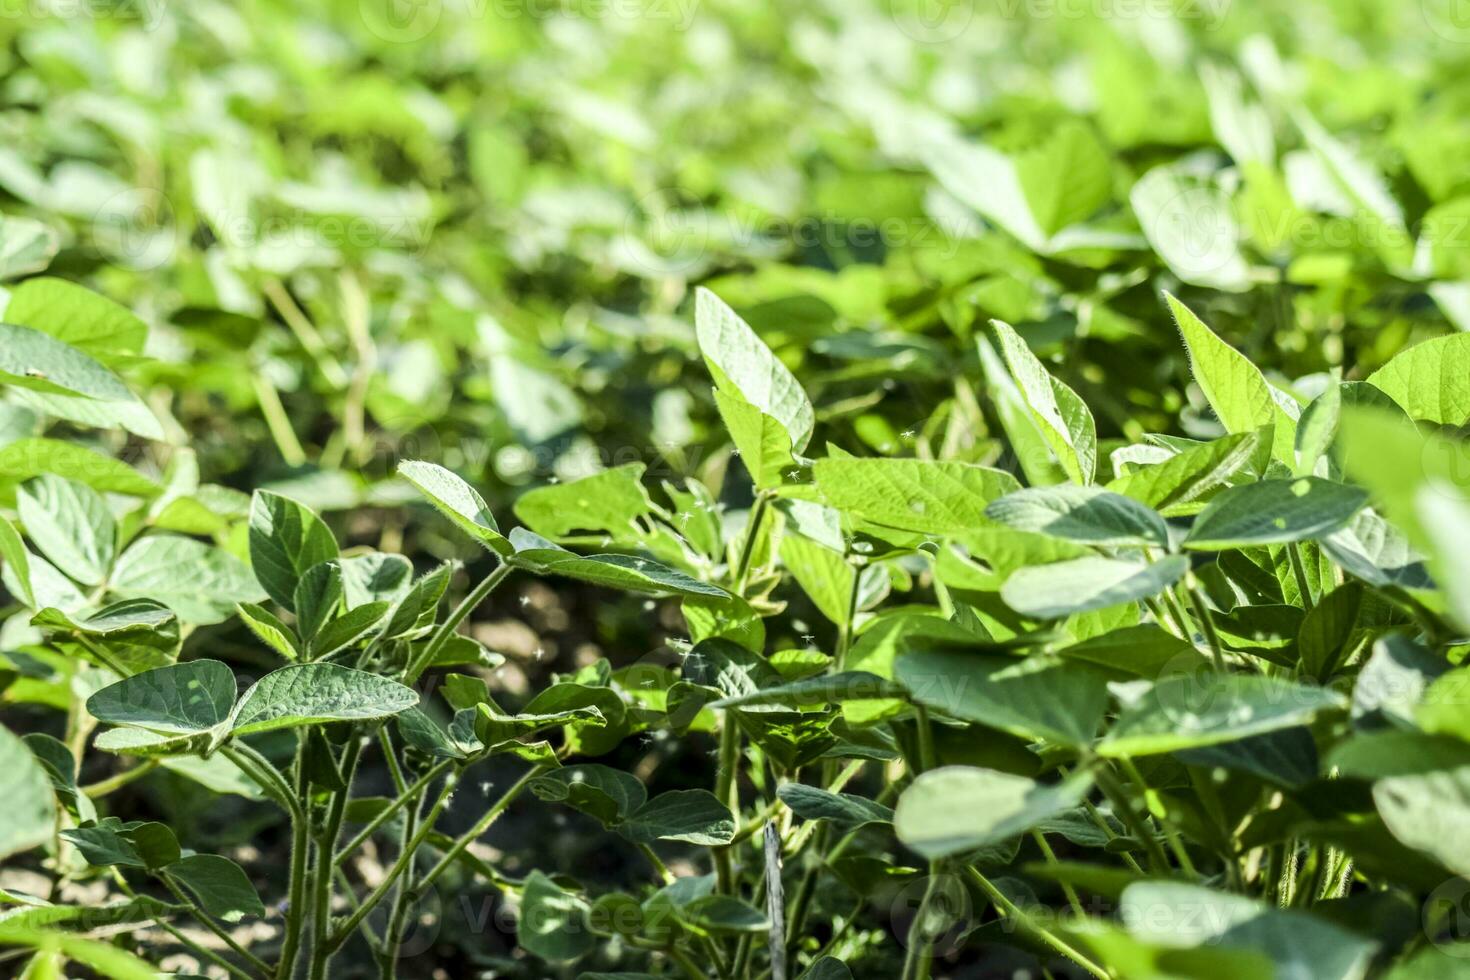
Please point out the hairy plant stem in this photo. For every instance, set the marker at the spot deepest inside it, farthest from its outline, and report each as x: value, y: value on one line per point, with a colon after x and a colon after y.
x: 204, y: 920
x: 725, y: 792
x: 1008, y: 909
x: 200, y: 951
x: 402, y: 901
x: 116, y: 782
x: 1171, y: 835
x: 400, y: 865
x: 259, y: 768
x: 446, y: 629
x: 1051, y: 859
x: 409, y: 795
x: 326, y: 845
x: 920, y: 955
x: 296, y: 889
x: 481, y: 825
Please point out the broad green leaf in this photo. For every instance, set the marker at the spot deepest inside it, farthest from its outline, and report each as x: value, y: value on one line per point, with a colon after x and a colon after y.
x: 458, y: 501
x: 552, y: 923
x: 57, y: 379
x: 1062, y: 418
x: 1083, y: 584
x: 305, y: 694
x: 1274, y: 512
x: 318, y: 598
x: 1241, y: 396
x: 88, y: 321
x: 375, y: 577
x: 71, y: 525
x: 137, y: 633
x: 844, y: 809
x: 1183, y: 916
x: 1034, y: 454
x: 744, y: 367
x: 201, y: 583
x: 823, y: 574
x: 1315, y: 431
x: 1377, y: 552
x: 286, y: 539
x: 30, y: 803
x: 1144, y: 651
x: 137, y: 913
x: 606, y: 503
x: 1084, y: 514
x: 102, y: 957
x: 1430, y: 381
x: 1186, y: 711
x: 1180, y: 484
x: 495, y: 728
x: 357, y: 623
x: 219, y: 885
x: 608, y: 794
x: 17, y: 562
x: 722, y: 914
x: 61, y: 768
x: 184, y: 698
x: 25, y: 458
x: 955, y: 809
x: 626, y: 572
x: 839, y: 688
x: 1191, y: 227
x: 694, y: 816
x: 1036, y: 697
x: 1066, y: 176
x: 761, y: 440
x: 927, y: 496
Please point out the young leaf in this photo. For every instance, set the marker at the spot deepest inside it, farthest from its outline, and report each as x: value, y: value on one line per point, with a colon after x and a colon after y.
x: 1430, y: 381
x: 931, y: 497
x: 1274, y: 512
x: 17, y: 562
x: 1082, y: 584
x: 1084, y: 514
x: 626, y: 572
x: 744, y: 367
x: 88, y: 321
x: 694, y: 816
x: 318, y: 598
x: 1180, y: 484
x: 1241, y: 396
x: 286, y: 539
x: 30, y: 803
x: 1062, y: 417
x: 202, y: 584
x: 271, y: 631
x: 458, y: 501
x: 71, y: 525
x: 955, y: 809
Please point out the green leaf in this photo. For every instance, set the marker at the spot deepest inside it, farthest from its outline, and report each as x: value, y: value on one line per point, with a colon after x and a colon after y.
x: 1316, y: 429
x: 608, y: 794
x: 1274, y: 512
x: 24, y: 458
x: 60, y: 380
x: 306, y: 694
x: 88, y: 321
x: 203, y: 584
x: 823, y: 574
x: 1241, y: 396
x: 138, y: 633
x: 357, y: 623
x: 762, y: 441
x: 744, y: 367
x: 1191, y: 227
x: 931, y: 497
x: 1185, y: 711
x: 71, y: 525
x: 458, y: 501
x: 626, y: 572
x: 286, y: 539
x: 1144, y: 651
x: 1430, y: 381
x: 318, y: 598
x: 954, y: 809
x: 1066, y: 176
x: 375, y: 577
x: 827, y: 968
x: 723, y: 914
x: 844, y: 809
x: 1062, y: 418
x: 270, y: 630
x: 219, y: 885
x: 607, y: 503
x: 179, y: 699
x: 17, y: 562
x: 1036, y: 697
x: 694, y: 816
x: 30, y: 802
x: 1083, y: 584
x: 1084, y: 514
x: 1182, y: 483
x: 553, y: 921
x: 104, y: 958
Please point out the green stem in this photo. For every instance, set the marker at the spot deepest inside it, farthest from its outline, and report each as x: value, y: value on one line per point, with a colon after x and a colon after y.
x: 747, y: 546
x: 112, y: 784
x: 183, y: 940
x: 1115, y: 791
x: 411, y: 794
x: 482, y: 825
x: 208, y: 923
x: 920, y: 955
x: 326, y: 846
x: 1171, y: 835
x: 729, y: 763
x: 259, y: 768
x: 446, y: 629
x: 402, y: 901
x: 296, y: 890
x: 405, y: 857
x: 1010, y: 910
x: 1051, y: 860
x: 665, y: 876
x: 278, y: 422
x: 1207, y: 625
